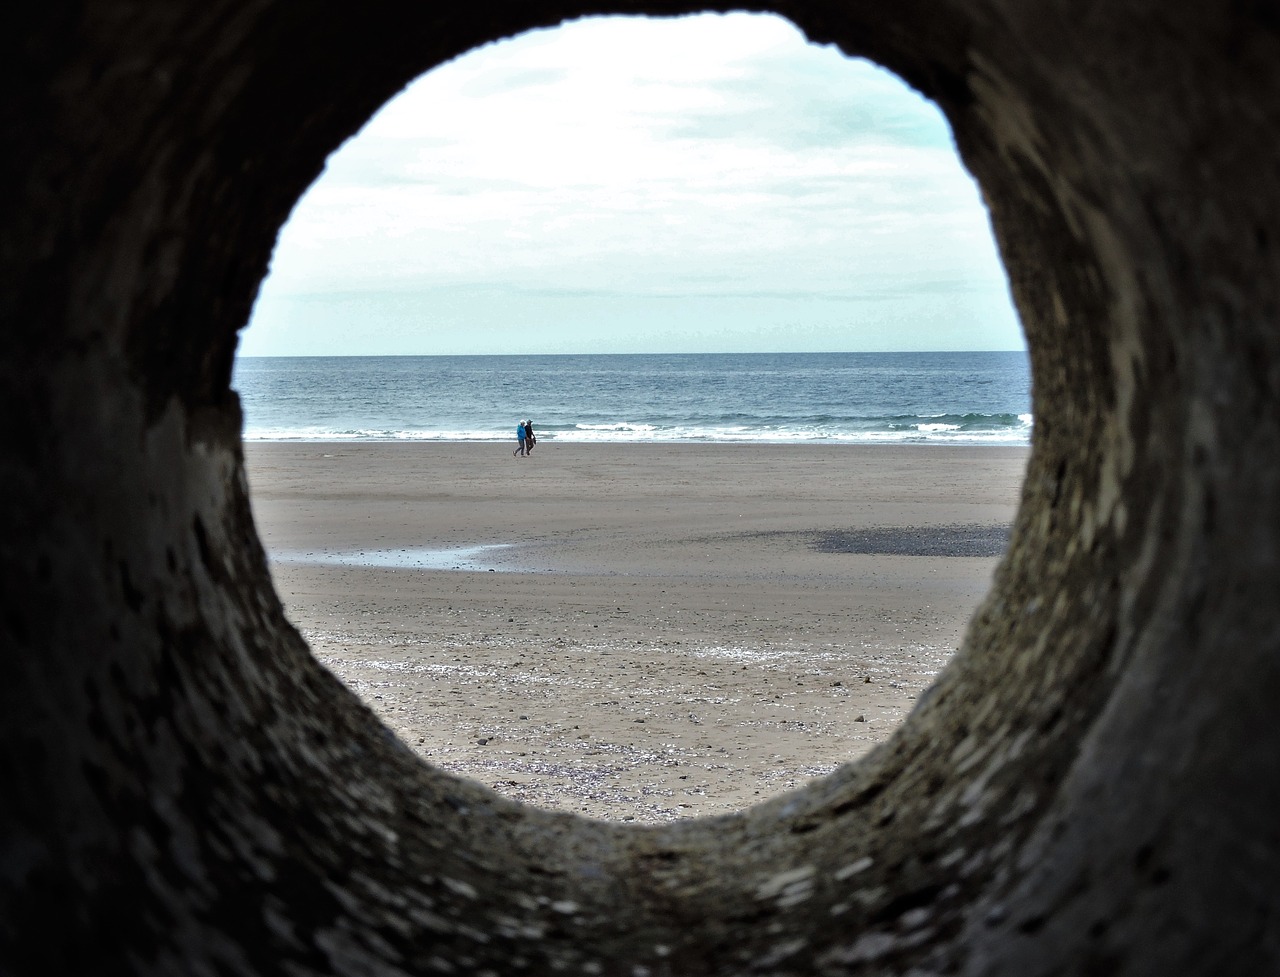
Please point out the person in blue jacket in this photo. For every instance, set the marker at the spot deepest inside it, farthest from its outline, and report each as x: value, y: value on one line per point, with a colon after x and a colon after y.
x: 520, y: 436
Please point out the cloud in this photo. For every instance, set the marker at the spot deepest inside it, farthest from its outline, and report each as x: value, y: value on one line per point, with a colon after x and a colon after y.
x: 616, y: 158
x: 520, y: 80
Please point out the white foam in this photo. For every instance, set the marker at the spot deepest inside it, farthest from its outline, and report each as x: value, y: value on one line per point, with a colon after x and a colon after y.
x: 926, y: 432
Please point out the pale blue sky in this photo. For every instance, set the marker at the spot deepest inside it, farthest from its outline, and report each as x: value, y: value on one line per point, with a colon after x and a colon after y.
x: 707, y: 184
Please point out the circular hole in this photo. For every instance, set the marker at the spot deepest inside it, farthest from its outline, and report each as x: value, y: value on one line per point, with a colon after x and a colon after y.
x: 708, y: 621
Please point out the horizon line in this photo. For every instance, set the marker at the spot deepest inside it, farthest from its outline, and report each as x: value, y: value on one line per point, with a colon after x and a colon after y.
x: 777, y: 352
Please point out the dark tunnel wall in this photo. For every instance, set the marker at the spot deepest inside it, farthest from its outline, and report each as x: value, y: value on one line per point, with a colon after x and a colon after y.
x: 1090, y: 788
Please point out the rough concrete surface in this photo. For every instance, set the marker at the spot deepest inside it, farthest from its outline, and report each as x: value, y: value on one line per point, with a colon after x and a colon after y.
x: 1090, y: 788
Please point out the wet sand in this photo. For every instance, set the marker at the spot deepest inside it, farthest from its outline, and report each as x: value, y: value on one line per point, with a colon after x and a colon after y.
x: 637, y: 632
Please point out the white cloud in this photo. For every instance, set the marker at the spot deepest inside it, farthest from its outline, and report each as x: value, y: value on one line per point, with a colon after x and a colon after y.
x: 622, y: 158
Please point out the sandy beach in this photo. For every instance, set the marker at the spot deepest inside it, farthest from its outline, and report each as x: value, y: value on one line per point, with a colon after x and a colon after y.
x: 634, y: 632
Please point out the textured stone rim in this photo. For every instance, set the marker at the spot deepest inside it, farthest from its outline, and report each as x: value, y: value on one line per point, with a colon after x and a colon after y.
x: 1090, y: 788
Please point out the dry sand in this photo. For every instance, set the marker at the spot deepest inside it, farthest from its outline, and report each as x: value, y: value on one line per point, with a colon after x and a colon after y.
x: 665, y: 630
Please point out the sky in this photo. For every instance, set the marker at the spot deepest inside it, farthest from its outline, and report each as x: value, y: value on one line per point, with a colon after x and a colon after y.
x: 704, y: 184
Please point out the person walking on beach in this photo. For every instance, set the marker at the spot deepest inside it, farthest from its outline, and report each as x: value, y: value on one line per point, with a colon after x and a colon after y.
x: 521, y: 434
x: 529, y: 439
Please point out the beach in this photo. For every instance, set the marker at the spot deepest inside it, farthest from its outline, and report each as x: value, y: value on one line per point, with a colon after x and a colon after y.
x: 637, y: 632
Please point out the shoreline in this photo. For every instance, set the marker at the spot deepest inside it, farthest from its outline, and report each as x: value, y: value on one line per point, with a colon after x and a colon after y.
x: 667, y: 640
x: 551, y: 439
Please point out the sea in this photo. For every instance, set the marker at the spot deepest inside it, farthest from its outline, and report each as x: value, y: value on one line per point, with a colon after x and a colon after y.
x: 839, y: 398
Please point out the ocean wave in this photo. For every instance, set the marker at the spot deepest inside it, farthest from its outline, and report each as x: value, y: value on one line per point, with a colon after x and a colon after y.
x: 320, y: 433
x: 968, y: 429
x: 616, y: 427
